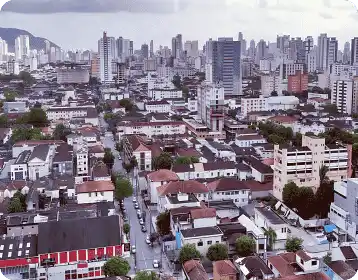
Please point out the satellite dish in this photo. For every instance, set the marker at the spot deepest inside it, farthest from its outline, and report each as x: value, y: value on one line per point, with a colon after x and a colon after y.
x: 2, y: 277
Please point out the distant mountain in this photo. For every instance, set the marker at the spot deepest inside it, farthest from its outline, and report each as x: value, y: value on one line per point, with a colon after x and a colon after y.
x: 10, y: 34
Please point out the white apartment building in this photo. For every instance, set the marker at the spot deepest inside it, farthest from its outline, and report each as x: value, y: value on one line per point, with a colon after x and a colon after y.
x: 301, y: 165
x: 311, y: 62
x: 303, y: 128
x: 106, y: 55
x: 136, y: 146
x: 211, y: 106
x: 114, y: 94
x: 82, y: 161
x: 151, y: 129
x: 288, y: 69
x: 339, y: 68
x: 22, y: 47
x: 270, y: 83
x: 265, y: 65
x: 158, y: 106
x: 261, y: 103
x: 89, y: 114
x: 164, y: 93
x: 343, y: 96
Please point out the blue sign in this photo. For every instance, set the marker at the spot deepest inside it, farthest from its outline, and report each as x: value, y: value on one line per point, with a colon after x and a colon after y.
x: 178, y: 239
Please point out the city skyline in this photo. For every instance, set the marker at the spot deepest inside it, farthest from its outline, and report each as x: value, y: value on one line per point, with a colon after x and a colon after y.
x: 336, y: 18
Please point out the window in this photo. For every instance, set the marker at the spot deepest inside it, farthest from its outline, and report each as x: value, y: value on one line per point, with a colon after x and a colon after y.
x: 200, y: 243
x: 314, y: 262
x: 28, y: 245
x: 90, y: 194
x: 1, y: 247
x: 10, y: 246
x: 209, y: 242
x: 9, y: 254
x: 19, y: 253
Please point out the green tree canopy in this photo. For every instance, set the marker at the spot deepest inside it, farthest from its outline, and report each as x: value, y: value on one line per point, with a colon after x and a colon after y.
x: 186, y: 160
x: 10, y: 95
x: 116, y: 266
x: 188, y: 252
x: 37, y: 117
x: 163, y: 223
x: 306, y: 203
x: 271, y: 237
x: 323, y: 199
x: 146, y: 275
x: 245, y: 246
x: 163, y: 161
x: 293, y: 244
x: 21, y: 134
x: 15, y: 206
x: 127, y: 104
x: 217, y: 252
x: 123, y: 188
x: 27, y: 78
x: 61, y: 132
x: 108, y: 158
x: 126, y: 228
x: 290, y: 194
x: 4, y: 122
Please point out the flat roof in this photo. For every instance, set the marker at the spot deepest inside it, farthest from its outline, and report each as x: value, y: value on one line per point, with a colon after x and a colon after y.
x: 270, y: 215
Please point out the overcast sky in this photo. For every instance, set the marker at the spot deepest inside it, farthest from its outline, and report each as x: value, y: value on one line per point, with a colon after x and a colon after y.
x: 71, y: 24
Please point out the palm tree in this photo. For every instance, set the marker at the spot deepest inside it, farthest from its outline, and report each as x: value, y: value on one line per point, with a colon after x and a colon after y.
x: 323, y: 174
x: 271, y: 237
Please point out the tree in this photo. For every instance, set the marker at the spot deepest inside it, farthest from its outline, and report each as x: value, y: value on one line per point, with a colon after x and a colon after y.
x: 232, y: 113
x: 21, y: 134
x: 37, y: 117
x: 27, y: 78
x: 108, y: 158
x: 305, y: 203
x: 116, y: 266
x: 4, y: 121
x: 186, y: 160
x: 290, y: 194
x: 327, y: 259
x: 271, y: 237
x: 126, y: 103
x: 276, y: 139
x: 126, y: 228
x: 188, y: 252
x: 10, y: 95
x: 323, y: 199
x: 146, y: 275
x: 61, y: 132
x: 217, y: 252
x: 323, y: 174
x: 119, y: 146
x: 245, y: 246
x: 177, y: 81
x: 123, y: 189
x: 163, y: 223
x: 331, y: 109
x: 297, y: 140
x: 293, y: 244
x: 163, y: 161
x: 15, y: 205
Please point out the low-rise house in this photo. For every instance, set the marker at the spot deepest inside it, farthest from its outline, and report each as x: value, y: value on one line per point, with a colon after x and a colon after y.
x: 202, y: 237
x: 63, y: 160
x: 158, y: 106
x: 137, y: 146
x: 267, y: 219
x: 159, y: 178
x: 229, y: 188
x: 8, y: 189
x: 290, y: 264
x: 94, y: 191
x: 253, y: 268
x: 249, y: 140
x: 194, y: 270
x: 19, y: 170
x: 259, y: 171
x: 205, y: 170
x: 224, y: 270
x: 96, y: 151
x: 100, y: 172
x: 40, y: 162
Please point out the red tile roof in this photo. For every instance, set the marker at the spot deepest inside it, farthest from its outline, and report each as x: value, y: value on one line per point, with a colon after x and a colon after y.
x: 282, y: 263
x: 203, y: 213
x: 283, y: 119
x: 195, y: 270
x: 190, y: 186
x: 224, y: 267
x: 95, y: 186
x: 227, y: 184
x: 162, y: 175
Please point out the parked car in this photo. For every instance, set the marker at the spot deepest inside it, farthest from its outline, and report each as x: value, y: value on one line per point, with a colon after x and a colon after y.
x: 136, y: 206
x: 119, y: 157
x: 125, y: 218
x: 134, y: 200
x: 147, y: 240
x: 141, y: 222
x: 144, y: 229
x: 155, y: 263
x: 133, y: 250
x: 139, y: 215
x: 139, y: 212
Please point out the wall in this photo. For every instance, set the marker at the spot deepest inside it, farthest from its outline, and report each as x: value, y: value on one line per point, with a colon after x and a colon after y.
x: 205, y: 239
x: 94, y: 197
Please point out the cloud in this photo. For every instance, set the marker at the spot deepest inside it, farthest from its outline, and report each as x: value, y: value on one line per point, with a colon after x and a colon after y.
x: 94, y: 6
x: 326, y: 15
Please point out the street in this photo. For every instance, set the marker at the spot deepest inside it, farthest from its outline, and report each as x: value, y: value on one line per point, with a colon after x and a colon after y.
x: 145, y: 254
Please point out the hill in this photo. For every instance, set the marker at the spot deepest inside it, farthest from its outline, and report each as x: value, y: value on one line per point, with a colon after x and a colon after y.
x: 10, y: 34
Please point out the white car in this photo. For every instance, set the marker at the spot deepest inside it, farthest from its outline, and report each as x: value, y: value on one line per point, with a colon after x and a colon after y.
x: 141, y: 222
x: 136, y: 206
x: 147, y: 240
x: 139, y: 212
x: 155, y: 264
x: 133, y: 250
x: 134, y: 200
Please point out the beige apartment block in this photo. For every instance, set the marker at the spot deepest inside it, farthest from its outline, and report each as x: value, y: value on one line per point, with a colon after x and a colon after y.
x: 301, y: 165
